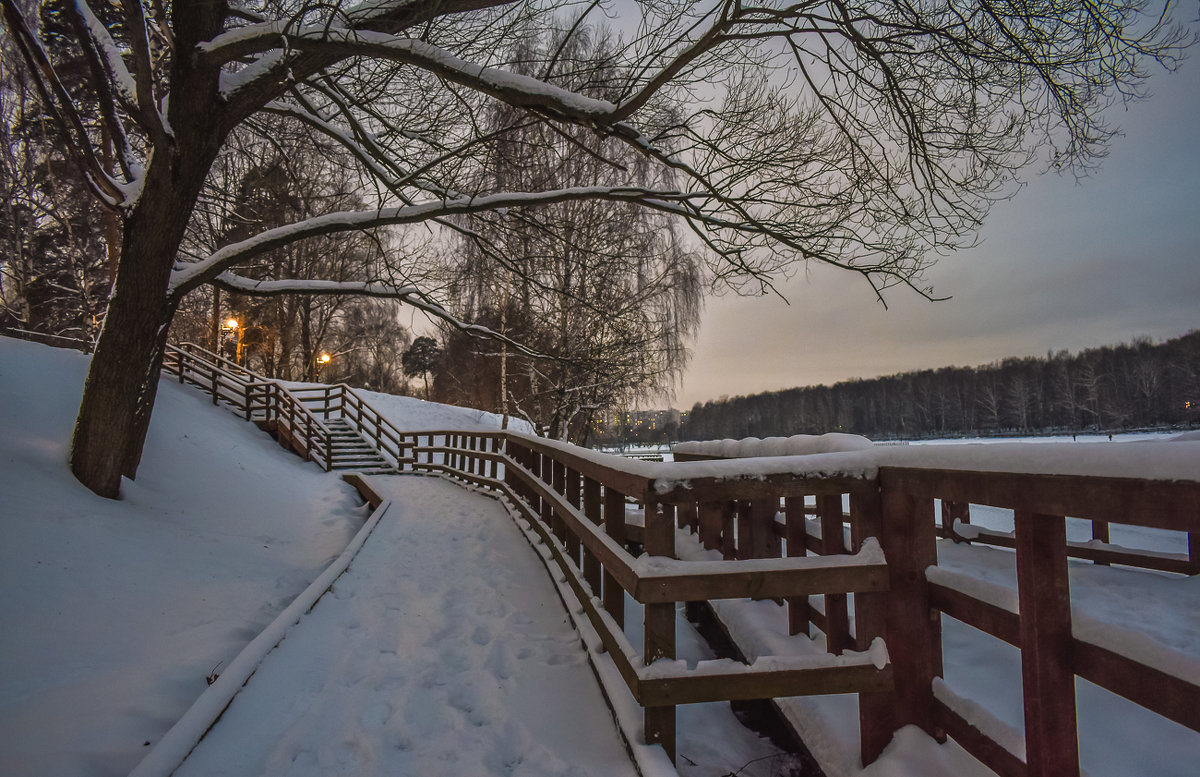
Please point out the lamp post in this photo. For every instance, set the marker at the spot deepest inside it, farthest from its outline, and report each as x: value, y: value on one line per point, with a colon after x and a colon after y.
x: 235, y: 329
x: 322, y: 360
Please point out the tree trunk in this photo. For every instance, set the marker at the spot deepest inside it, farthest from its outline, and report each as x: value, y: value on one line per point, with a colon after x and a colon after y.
x: 121, y: 384
x: 122, y: 381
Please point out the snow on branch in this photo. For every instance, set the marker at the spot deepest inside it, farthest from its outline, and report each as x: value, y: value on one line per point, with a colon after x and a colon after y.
x: 513, y: 88
x: 61, y: 107
x: 408, y: 295
x: 189, y: 275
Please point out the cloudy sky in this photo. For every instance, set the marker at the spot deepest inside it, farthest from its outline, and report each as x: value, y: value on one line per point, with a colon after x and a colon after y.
x: 1064, y: 265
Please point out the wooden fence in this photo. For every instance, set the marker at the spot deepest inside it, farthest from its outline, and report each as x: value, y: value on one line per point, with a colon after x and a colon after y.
x: 258, y: 399
x: 767, y: 527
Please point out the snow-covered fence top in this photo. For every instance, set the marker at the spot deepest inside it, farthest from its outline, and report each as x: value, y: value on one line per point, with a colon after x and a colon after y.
x: 753, y: 447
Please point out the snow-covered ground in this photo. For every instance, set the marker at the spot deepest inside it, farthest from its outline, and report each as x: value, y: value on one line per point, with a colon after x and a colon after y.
x: 115, y: 612
x: 424, y: 655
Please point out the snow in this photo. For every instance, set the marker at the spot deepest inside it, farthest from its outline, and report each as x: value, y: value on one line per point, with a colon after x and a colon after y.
x: 115, y: 611
x: 796, y: 445
x: 437, y: 650
x: 436, y: 653
x: 410, y: 414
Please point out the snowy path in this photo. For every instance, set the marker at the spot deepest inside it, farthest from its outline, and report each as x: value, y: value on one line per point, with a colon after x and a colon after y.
x: 443, y: 650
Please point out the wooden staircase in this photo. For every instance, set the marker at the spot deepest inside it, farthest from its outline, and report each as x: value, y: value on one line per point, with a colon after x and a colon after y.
x: 349, y: 451
x: 329, y: 425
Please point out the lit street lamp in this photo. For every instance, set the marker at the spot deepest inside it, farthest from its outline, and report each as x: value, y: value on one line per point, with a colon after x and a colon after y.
x: 235, y: 329
x: 322, y: 360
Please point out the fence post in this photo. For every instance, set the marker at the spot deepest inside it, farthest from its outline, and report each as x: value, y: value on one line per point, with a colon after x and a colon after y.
x: 659, y: 625
x: 710, y: 524
x: 954, y: 511
x: 870, y: 621
x: 215, y: 385
x: 614, y: 525
x: 913, y: 629
x: 572, y: 484
x: 833, y: 542
x: 592, y: 509
x: 1047, y: 670
x: 797, y: 546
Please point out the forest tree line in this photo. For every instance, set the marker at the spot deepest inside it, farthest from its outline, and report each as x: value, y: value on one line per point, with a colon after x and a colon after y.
x: 1130, y: 386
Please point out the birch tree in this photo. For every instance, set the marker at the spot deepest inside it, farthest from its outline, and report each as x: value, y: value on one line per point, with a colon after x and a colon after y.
x: 867, y: 134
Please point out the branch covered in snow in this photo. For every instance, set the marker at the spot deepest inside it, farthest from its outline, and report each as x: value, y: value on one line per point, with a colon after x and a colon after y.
x: 409, y: 295
x: 188, y: 276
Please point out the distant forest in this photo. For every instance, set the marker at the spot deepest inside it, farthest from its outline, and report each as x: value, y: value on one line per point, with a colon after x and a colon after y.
x: 1133, y: 386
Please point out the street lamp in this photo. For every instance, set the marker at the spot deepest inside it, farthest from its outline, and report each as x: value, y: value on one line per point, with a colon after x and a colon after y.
x: 234, y: 327
x: 322, y: 360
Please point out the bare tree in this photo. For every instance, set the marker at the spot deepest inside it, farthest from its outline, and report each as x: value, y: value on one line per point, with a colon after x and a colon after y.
x: 608, y: 291
x: 859, y: 134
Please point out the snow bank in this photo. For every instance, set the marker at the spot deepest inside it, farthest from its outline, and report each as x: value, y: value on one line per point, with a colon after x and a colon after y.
x: 796, y: 445
x: 409, y: 414
x: 115, y: 611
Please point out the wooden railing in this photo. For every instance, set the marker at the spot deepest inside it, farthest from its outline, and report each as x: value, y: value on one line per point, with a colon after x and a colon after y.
x: 341, y: 401
x: 255, y: 397
x: 1041, y: 623
x: 579, y: 507
x: 765, y: 527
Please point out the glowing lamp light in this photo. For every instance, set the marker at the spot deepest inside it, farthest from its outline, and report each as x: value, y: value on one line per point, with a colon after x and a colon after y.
x: 231, y: 323
x: 324, y: 358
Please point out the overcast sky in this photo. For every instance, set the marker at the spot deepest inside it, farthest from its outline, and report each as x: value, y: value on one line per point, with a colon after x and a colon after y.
x: 1063, y: 265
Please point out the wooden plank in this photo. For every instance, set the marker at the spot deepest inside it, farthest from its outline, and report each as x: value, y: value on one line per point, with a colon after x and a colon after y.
x: 986, y: 617
x: 808, y: 577
x: 1157, y: 504
x: 757, y: 487
x: 797, y: 528
x: 875, y: 724
x: 728, y: 521
x: 1047, y: 674
x: 739, y: 686
x: 1172, y: 697
x: 558, y: 478
x: 912, y: 628
x: 592, y: 509
x: 837, y: 618
x: 710, y: 518
x: 978, y: 744
x: 659, y: 626
x: 614, y: 525
x: 1148, y: 560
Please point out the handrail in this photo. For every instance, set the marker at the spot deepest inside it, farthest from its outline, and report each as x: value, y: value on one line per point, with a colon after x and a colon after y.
x: 577, y: 504
x: 294, y: 424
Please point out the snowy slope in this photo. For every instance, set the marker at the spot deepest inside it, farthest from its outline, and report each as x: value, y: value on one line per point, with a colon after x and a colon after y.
x: 114, y: 611
x: 410, y: 414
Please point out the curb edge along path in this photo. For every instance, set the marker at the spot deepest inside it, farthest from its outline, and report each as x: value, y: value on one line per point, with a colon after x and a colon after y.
x: 437, y: 652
